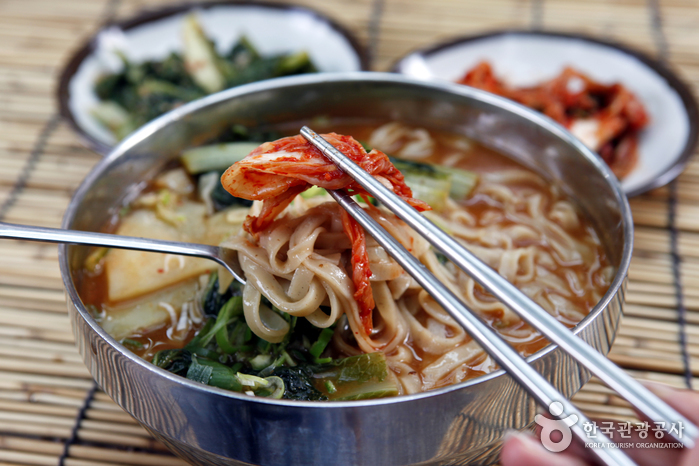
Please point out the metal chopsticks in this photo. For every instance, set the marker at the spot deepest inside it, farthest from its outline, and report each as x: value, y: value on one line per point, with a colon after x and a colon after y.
x: 640, y: 397
x: 502, y: 352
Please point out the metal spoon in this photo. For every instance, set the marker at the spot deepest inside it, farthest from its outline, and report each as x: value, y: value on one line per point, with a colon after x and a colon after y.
x: 224, y: 256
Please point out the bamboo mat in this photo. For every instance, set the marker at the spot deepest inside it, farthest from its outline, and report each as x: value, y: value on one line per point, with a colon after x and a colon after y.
x: 50, y: 410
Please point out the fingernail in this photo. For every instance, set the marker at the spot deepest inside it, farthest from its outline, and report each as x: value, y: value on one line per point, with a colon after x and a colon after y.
x: 660, y: 389
x: 509, y: 433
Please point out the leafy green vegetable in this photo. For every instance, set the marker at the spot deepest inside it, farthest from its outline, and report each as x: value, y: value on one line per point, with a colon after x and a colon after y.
x: 462, y: 183
x: 210, y: 162
x: 354, y: 378
x: 232, y: 309
x: 176, y: 361
x: 365, y: 145
x: 330, y: 387
x: 219, y: 375
x: 441, y: 257
x: 143, y: 91
x: 357, y: 377
x: 214, y: 373
x: 213, y: 301
x: 296, y: 63
x: 361, y: 368
x: 361, y: 200
x: 260, y: 68
x: 199, y: 372
x: 202, y: 61
x: 313, y: 191
x: 298, y: 382
x: 429, y: 186
x: 243, y: 53
x: 226, y: 354
x: 269, y: 387
x: 321, y: 343
x: 215, y: 157
x: 435, y: 183
x: 261, y: 361
x: 129, y: 343
x: 114, y: 117
x: 154, y: 87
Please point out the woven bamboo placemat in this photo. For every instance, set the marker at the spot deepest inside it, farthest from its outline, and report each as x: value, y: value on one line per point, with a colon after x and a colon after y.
x: 50, y: 410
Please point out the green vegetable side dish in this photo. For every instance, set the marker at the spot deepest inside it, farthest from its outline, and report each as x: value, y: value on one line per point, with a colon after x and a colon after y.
x: 226, y: 354
x: 144, y: 91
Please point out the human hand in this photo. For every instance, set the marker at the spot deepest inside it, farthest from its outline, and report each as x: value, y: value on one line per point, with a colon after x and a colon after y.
x: 522, y: 449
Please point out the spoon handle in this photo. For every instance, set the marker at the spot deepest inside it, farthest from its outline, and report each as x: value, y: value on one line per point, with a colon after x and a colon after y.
x: 57, y: 235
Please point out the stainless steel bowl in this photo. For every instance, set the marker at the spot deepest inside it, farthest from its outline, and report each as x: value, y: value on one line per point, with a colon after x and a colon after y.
x: 454, y: 425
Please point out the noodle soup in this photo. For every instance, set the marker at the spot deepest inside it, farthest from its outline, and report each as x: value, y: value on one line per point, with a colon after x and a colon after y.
x: 299, y: 326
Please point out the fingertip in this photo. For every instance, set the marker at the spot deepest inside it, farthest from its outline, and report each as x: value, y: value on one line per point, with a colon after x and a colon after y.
x: 660, y: 389
x: 518, y: 448
x: 523, y: 449
x: 690, y: 457
x: 683, y: 400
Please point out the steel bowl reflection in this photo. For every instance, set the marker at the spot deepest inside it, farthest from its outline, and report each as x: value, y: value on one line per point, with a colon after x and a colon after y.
x: 459, y: 424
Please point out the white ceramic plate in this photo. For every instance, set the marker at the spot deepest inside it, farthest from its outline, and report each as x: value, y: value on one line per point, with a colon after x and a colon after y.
x: 271, y: 28
x: 528, y: 58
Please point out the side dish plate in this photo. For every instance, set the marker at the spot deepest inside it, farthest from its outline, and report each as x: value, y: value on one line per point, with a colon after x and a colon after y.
x: 271, y: 28
x: 526, y: 58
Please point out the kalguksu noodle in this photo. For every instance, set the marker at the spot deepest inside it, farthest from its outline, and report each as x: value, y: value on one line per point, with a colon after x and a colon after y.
x: 521, y: 239
x: 298, y: 266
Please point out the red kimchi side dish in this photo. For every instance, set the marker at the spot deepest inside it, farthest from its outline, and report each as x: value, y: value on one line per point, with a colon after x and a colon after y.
x: 607, y: 118
x: 326, y: 313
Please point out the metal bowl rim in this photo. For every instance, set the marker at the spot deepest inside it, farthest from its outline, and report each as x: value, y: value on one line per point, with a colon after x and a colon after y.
x: 352, y: 77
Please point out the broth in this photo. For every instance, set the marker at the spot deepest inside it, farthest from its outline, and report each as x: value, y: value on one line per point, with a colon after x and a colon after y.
x: 568, y: 285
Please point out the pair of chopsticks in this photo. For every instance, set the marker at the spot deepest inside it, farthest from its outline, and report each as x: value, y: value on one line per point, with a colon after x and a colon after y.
x: 538, y: 387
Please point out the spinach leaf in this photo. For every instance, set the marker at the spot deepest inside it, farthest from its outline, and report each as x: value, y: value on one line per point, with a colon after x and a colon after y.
x: 176, y: 361
x: 298, y: 384
x: 143, y: 91
x: 213, y: 300
x: 199, y: 372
